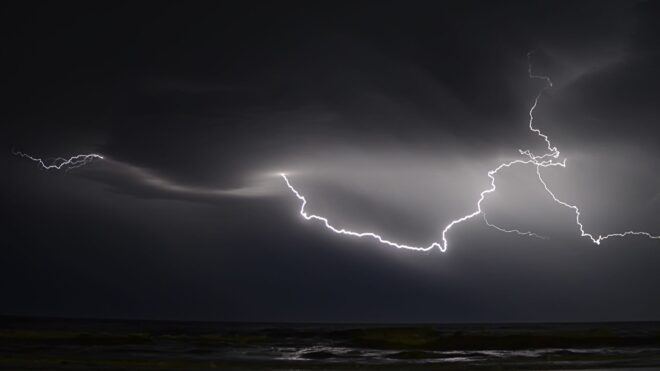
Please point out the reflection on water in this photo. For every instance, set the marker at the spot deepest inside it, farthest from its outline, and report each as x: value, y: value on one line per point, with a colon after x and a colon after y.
x: 80, y: 344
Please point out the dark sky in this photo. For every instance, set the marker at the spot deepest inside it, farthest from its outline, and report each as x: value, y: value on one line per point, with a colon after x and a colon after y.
x: 386, y: 115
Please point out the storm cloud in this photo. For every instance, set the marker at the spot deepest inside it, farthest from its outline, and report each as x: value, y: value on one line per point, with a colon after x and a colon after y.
x: 386, y: 115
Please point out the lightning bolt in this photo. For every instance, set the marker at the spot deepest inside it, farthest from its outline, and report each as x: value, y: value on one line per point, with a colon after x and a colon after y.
x: 60, y: 163
x: 441, y: 245
x: 548, y: 159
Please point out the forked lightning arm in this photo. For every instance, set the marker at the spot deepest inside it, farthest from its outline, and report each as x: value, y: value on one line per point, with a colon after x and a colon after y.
x: 516, y: 231
x: 550, y: 158
x: 600, y: 238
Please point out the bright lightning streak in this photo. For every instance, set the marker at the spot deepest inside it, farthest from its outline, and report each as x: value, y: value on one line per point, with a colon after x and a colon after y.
x: 60, y: 163
x: 545, y: 160
x: 303, y: 203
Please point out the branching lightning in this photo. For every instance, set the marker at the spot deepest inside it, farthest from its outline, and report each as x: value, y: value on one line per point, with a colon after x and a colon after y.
x: 548, y: 159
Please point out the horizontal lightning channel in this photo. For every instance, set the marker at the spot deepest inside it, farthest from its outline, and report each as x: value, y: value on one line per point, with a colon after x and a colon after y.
x: 548, y: 159
x: 60, y: 163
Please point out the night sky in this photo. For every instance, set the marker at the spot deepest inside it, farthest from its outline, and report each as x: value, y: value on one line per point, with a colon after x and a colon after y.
x: 386, y: 115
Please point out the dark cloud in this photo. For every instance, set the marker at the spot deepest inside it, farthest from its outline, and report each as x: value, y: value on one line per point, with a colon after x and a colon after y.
x: 387, y: 115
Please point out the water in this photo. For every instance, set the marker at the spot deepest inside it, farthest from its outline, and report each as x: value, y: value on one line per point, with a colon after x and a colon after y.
x: 27, y: 343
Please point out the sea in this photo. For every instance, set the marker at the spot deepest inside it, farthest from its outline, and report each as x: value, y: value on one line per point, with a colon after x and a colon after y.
x: 81, y: 344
